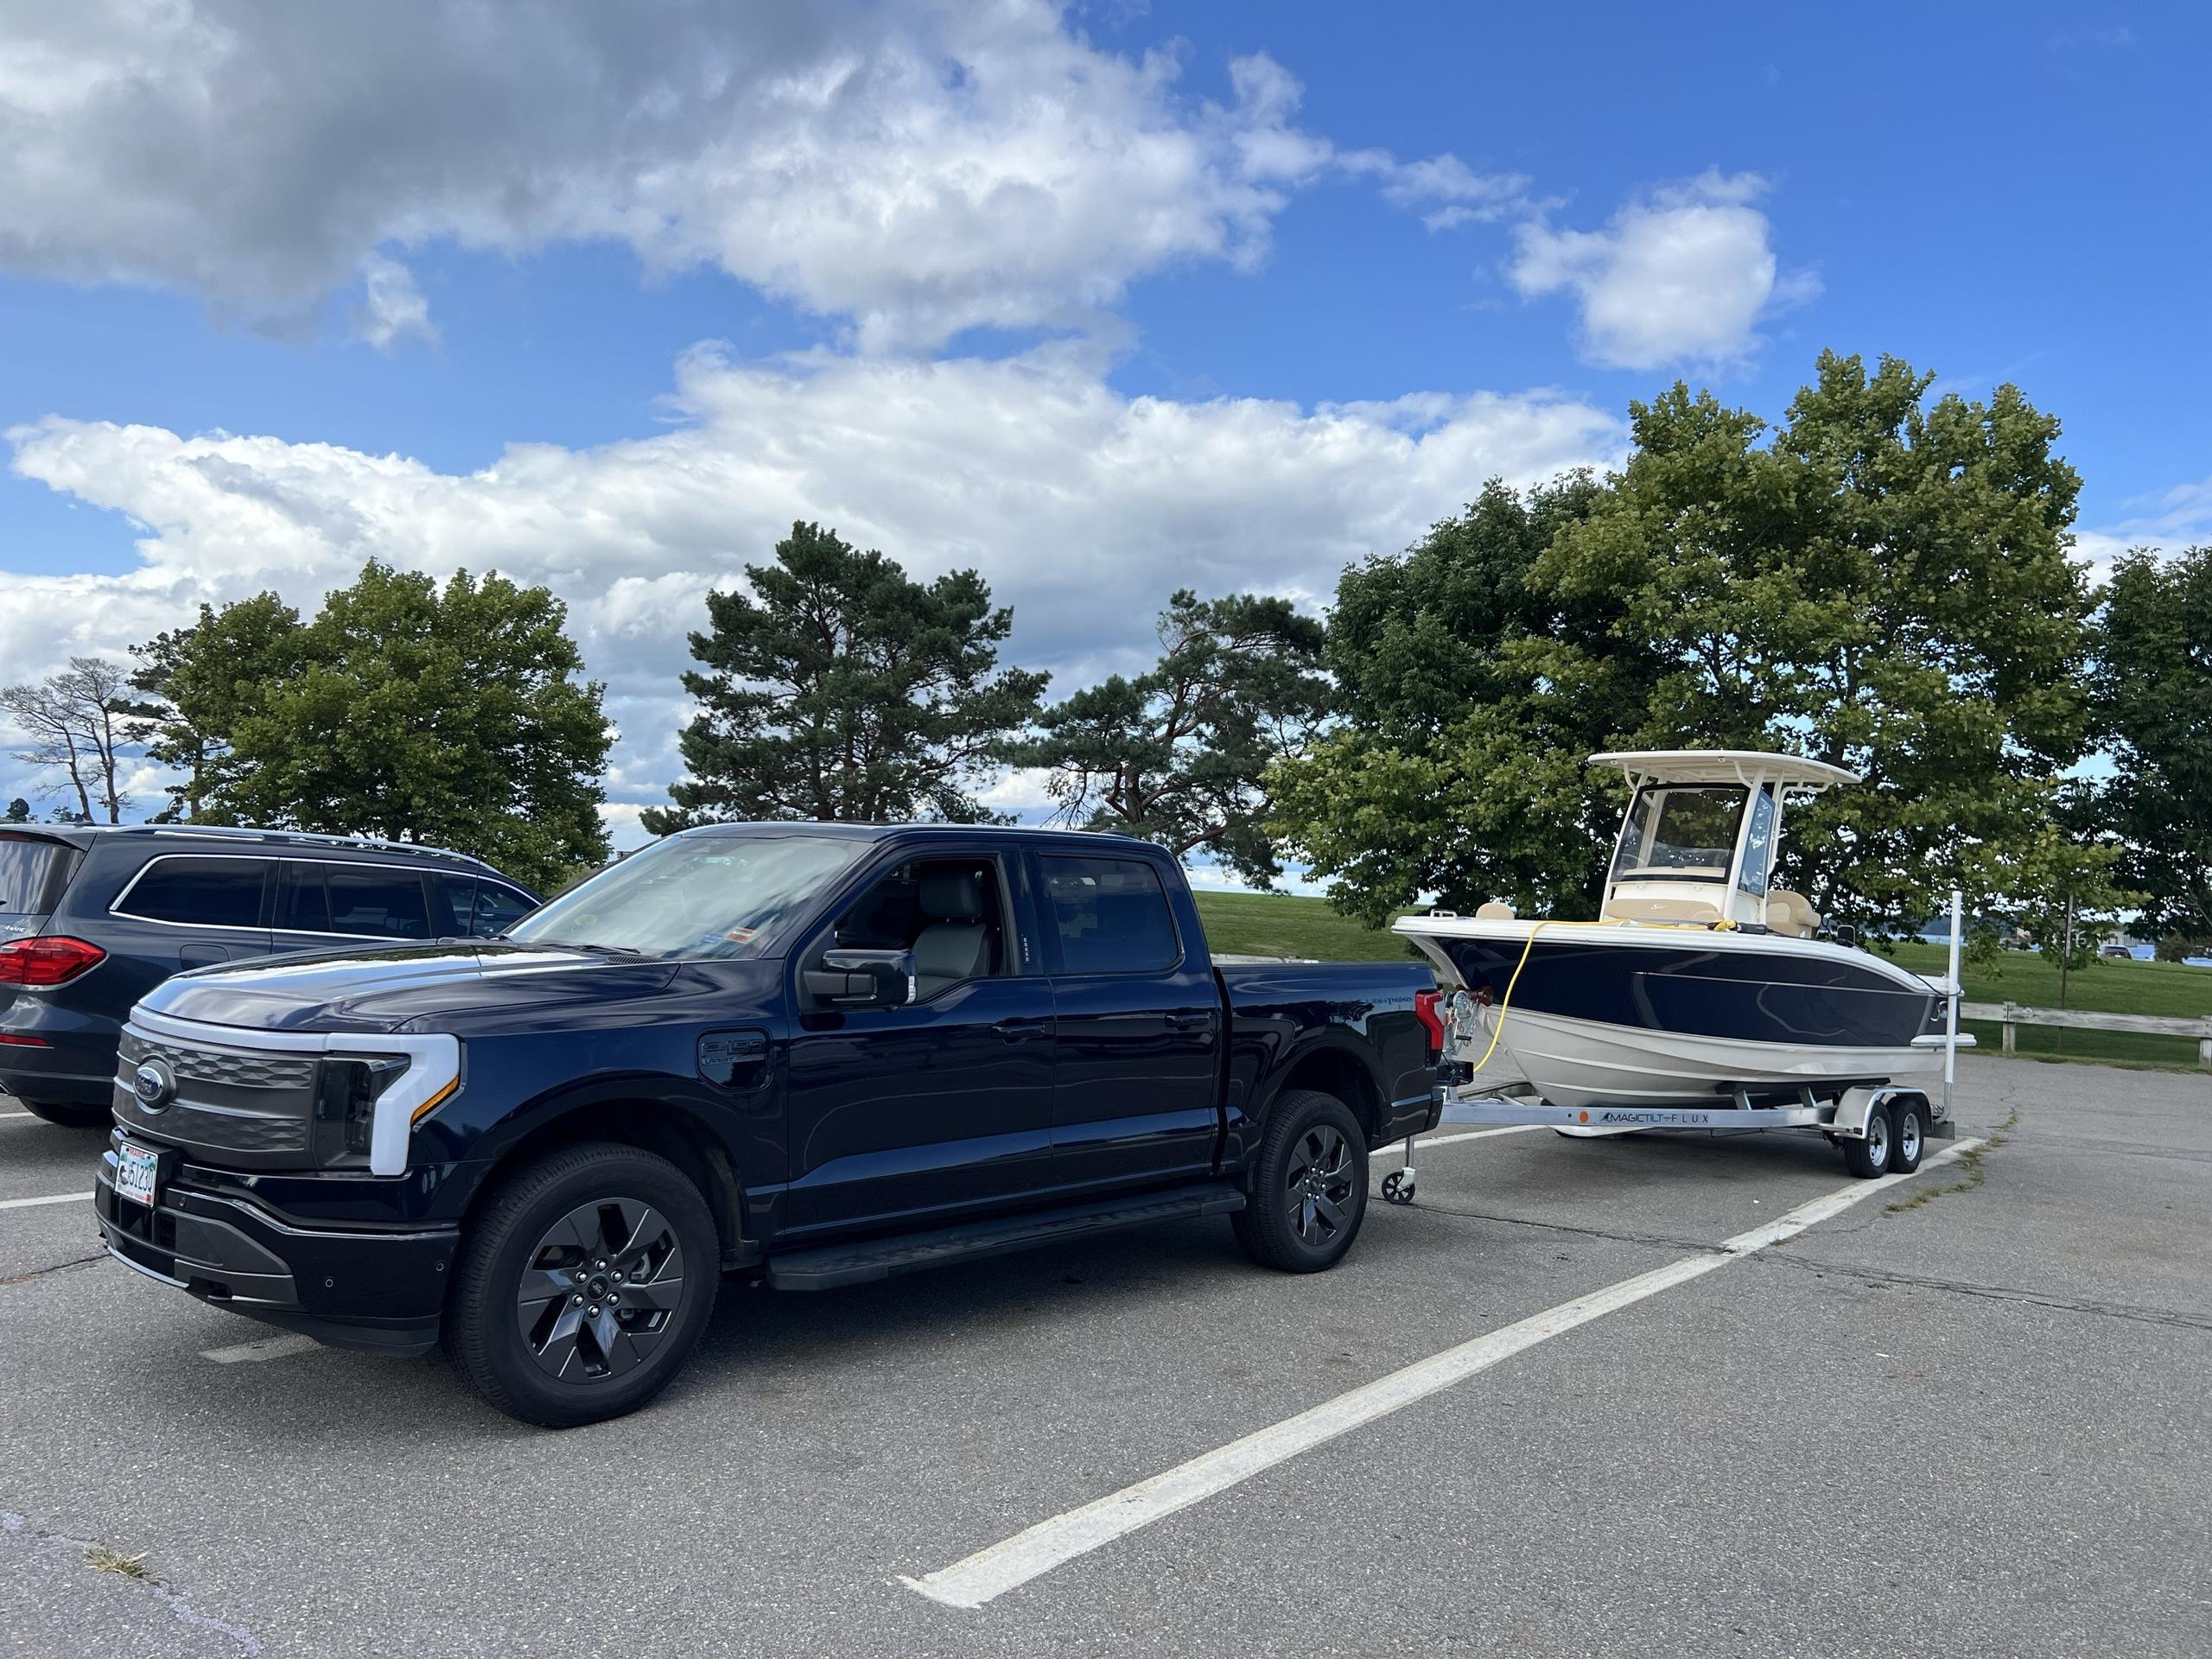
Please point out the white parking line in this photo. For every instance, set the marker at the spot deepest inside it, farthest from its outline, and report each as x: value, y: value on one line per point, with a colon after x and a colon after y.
x: 26, y: 1117
x: 1476, y: 1134
x: 59, y: 1198
x: 1003, y: 1567
x: 246, y: 1353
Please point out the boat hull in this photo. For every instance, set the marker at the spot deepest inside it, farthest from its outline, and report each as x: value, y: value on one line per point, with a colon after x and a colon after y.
x: 1603, y: 1014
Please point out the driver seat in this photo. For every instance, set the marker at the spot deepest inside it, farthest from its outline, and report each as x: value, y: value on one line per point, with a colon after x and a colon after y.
x: 955, y: 945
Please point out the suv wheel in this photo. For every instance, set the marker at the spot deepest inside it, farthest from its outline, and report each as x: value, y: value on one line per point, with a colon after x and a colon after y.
x: 70, y: 1114
x: 1309, y: 1186
x: 584, y: 1286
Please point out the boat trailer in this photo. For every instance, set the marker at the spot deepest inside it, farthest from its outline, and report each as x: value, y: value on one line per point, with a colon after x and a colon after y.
x: 1845, y: 1119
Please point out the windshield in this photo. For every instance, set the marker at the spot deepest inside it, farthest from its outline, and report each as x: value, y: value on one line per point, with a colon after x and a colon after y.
x: 1680, y: 832
x: 693, y: 895
x: 29, y: 869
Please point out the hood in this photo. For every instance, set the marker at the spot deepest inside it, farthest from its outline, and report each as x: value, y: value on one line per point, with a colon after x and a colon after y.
x: 384, y: 988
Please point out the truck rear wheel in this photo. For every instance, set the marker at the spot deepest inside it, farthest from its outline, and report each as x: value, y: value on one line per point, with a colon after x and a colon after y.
x: 583, y: 1286
x: 1309, y: 1186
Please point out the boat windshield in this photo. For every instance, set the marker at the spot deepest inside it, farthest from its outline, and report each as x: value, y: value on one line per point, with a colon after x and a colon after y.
x: 711, y: 895
x: 1680, y: 832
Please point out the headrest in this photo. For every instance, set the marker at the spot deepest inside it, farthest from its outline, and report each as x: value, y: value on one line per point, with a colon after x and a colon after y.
x: 951, y: 896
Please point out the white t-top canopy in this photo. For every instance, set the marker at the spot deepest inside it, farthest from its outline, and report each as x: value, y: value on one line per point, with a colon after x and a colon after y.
x: 1745, y: 766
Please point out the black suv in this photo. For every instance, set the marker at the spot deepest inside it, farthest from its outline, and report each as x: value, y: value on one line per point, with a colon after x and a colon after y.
x: 92, y: 919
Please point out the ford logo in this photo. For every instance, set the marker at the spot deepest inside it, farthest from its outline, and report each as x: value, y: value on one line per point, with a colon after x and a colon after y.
x: 154, y: 1085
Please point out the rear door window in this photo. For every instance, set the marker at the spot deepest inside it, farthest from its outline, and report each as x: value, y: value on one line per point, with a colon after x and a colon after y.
x: 1111, y: 914
x: 32, y: 874
x: 303, y: 904
x: 198, y: 892
x: 476, y: 907
x: 377, y: 904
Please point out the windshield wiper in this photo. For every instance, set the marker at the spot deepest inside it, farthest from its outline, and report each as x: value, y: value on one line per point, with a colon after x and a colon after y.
x: 578, y: 945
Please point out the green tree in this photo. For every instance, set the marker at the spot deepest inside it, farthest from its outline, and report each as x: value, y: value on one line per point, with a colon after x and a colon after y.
x: 77, y: 727
x: 19, y: 811
x: 203, y: 681
x: 2154, y: 650
x: 1179, y: 754
x: 451, y: 716
x: 1887, y: 587
x: 841, y: 689
x: 1457, y: 769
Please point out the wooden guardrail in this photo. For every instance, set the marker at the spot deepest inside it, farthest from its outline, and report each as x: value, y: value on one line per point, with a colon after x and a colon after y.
x: 2013, y: 1015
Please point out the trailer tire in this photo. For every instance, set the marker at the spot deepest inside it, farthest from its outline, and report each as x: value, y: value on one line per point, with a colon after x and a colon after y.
x: 1909, y: 1118
x: 1870, y: 1157
x: 1309, y: 1186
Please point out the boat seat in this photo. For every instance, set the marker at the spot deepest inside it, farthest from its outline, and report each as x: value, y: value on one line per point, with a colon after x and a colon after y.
x: 1629, y: 907
x: 1787, y: 912
x: 1493, y: 911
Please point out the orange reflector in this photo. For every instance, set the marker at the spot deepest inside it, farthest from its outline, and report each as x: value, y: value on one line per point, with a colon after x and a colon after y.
x: 435, y: 1100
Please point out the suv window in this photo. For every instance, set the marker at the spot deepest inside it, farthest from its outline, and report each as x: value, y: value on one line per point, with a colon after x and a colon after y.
x: 378, y: 904
x: 1112, y: 916
x: 475, y: 907
x: 31, y: 873
x: 197, y: 892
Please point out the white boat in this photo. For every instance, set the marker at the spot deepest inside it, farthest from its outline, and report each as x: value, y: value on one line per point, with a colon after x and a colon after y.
x: 1700, y: 982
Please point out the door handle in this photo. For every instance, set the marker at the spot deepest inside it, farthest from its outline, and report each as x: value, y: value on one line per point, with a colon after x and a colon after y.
x: 1018, y: 1031
x: 1190, y: 1019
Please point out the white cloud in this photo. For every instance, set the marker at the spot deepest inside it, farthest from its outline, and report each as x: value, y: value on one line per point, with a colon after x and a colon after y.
x: 919, y: 168
x: 1082, y: 507
x: 392, y: 308
x: 1684, y: 272
x: 2169, y: 520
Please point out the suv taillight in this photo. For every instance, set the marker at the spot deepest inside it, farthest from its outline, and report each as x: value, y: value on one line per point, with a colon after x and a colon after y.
x: 50, y: 961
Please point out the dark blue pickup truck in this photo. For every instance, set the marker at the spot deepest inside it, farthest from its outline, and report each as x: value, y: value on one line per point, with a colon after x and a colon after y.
x: 814, y: 1054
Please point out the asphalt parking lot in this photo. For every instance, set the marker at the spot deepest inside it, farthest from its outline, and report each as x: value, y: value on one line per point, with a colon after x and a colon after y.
x: 1977, y: 1424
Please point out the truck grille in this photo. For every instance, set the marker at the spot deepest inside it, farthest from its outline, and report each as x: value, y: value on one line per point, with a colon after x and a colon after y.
x: 226, y: 1099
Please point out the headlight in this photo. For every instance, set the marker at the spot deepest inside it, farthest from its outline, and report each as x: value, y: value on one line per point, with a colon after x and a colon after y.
x: 346, y: 1096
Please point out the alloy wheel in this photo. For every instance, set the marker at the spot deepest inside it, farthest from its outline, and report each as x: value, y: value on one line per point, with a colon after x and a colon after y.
x: 599, y: 1290
x: 1320, y: 1187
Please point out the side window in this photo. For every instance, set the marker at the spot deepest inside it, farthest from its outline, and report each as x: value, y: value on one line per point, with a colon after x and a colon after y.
x: 302, y: 905
x: 498, y: 908
x: 949, y: 912
x: 198, y: 892
x: 380, y: 903
x: 1112, y: 916
x: 1758, y: 844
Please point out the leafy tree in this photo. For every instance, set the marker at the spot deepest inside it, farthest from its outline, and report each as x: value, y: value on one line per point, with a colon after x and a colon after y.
x: 203, y: 681
x: 1458, y: 768
x: 19, y: 811
x: 839, y: 688
x: 2155, y: 708
x: 448, y: 717
x: 1179, y: 754
x: 1886, y: 587
x: 76, y: 724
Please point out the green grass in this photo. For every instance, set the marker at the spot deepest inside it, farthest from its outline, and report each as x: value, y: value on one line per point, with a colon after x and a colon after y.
x: 1277, y: 924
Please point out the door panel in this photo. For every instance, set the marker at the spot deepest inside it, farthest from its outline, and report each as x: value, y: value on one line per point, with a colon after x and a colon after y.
x: 909, y: 1115
x: 1136, y: 1094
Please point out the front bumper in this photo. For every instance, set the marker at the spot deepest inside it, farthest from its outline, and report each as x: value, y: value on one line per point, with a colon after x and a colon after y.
x: 378, y: 1290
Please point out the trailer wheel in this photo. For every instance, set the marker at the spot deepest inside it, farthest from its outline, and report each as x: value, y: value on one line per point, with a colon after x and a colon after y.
x: 1909, y: 1116
x: 1870, y: 1157
x: 1309, y: 1185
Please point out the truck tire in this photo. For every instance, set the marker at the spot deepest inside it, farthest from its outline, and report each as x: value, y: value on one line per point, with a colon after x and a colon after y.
x: 583, y: 1285
x: 1909, y: 1120
x: 1870, y: 1157
x: 1309, y: 1185
x: 71, y: 1115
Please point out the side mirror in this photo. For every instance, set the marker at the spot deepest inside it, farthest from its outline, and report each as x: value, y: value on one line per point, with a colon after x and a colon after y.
x: 854, y: 978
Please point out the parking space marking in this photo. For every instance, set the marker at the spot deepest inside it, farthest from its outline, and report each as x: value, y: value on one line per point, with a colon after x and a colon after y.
x: 1427, y: 1142
x: 1005, y: 1566
x: 26, y: 1117
x: 59, y: 1198
x: 246, y: 1353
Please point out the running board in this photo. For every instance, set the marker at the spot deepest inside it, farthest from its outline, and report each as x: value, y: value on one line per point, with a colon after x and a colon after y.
x: 831, y: 1265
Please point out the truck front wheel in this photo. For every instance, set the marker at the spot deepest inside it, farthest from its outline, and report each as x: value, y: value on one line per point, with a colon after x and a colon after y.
x: 1309, y: 1185
x: 583, y: 1286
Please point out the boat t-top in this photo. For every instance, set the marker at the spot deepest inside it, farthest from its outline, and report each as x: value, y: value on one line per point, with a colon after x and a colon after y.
x: 1700, y: 982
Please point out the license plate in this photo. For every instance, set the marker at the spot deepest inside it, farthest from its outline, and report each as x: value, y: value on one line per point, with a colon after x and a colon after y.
x: 136, y: 1170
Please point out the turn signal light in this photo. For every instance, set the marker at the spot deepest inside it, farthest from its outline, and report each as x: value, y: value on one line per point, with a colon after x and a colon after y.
x: 50, y: 961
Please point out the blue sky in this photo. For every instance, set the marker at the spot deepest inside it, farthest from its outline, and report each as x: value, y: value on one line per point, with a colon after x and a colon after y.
x: 1100, y: 301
